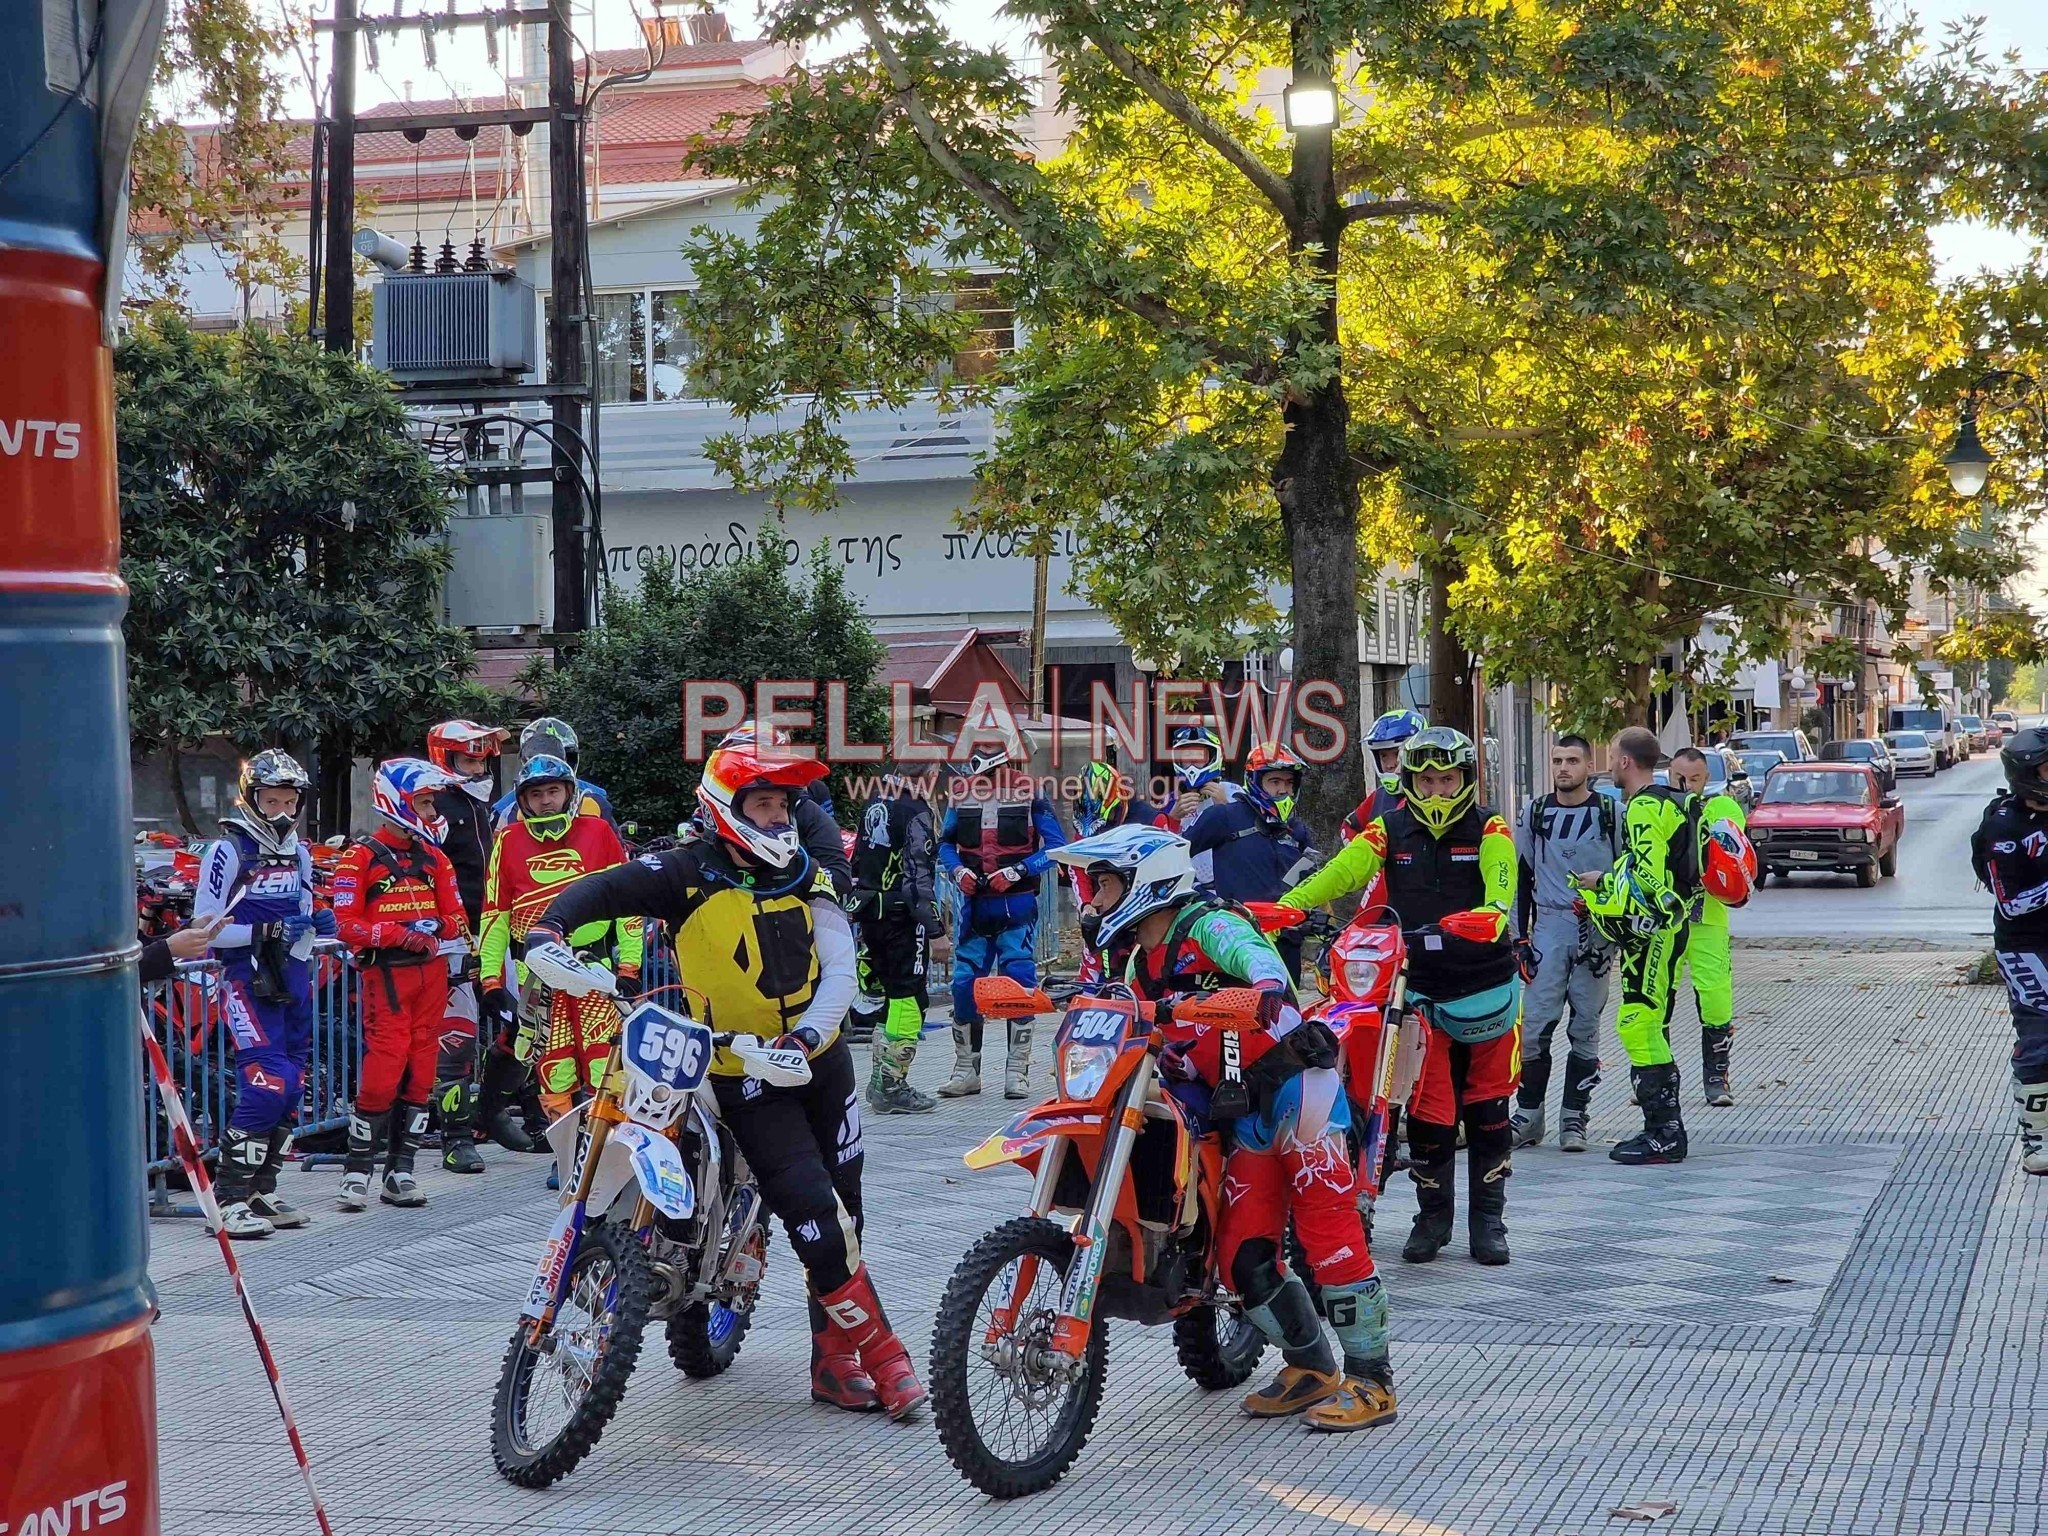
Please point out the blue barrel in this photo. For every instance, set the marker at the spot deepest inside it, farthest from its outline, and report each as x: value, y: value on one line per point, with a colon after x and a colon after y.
x: 77, y: 1388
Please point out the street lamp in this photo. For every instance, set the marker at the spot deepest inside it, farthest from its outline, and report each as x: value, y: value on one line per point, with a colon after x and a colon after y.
x: 1969, y: 466
x: 1309, y: 104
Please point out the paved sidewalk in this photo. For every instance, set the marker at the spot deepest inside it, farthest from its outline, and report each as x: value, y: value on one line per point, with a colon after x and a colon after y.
x: 1830, y: 1320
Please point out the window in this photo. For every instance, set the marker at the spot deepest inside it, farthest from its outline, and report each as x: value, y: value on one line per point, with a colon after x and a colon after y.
x: 995, y: 326
x: 674, y: 347
x: 621, y: 372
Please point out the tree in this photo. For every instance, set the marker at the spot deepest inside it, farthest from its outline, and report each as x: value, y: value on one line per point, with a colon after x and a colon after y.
x: 281, y: 541
x: 740, y: 622
x: 1204, y: 394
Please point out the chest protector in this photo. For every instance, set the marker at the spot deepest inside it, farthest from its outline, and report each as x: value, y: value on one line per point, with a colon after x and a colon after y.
x: 992, y: 834
x: 400, y: 890
x: 272, y: 883
x: 749, y: 963
x: 1179, y: 965
x: 1430, y: 877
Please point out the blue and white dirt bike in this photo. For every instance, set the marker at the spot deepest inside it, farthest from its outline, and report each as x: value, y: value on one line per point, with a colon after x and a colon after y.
x: 660, y: 1220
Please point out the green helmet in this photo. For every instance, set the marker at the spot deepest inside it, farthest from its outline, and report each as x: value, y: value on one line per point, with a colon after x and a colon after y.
x: 1439, y: 747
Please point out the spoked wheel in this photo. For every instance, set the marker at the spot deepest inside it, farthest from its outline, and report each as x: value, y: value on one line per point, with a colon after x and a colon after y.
x: 704, y: 1338
x: 1013, y: 1413
x: 556, y: 1395
x: 1217, y: 1346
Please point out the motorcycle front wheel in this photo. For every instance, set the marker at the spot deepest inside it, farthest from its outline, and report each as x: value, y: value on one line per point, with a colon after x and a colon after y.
x: 556, y: 1394
x: 1012, y: 1413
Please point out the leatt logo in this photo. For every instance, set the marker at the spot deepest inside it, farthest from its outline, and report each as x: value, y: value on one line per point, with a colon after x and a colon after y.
x: 40, y: 439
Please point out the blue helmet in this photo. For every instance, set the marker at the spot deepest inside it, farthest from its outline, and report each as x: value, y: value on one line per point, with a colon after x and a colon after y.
x: 1387, y: 733
x: 545, y: 768
x: 1197, y: 756
x: 1155, y: 865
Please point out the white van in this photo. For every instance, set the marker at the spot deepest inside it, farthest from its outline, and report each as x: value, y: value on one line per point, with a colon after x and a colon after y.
x: 1937, y: 725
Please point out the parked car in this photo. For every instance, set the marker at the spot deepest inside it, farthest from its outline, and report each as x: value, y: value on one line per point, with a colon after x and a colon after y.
x: 1793, y: 744
x: 1758, y: 761
x: 1983, y: 735
x: 1826, y: 817
x: 1864, y: 749
x: 1727, y: 775
x: 1911, y: 752
x: 1938, y: 724
x: 2006, y: 721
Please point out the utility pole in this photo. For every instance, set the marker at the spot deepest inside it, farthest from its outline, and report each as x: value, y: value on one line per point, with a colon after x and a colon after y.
x: 566, y: 317
x: 340, y: 200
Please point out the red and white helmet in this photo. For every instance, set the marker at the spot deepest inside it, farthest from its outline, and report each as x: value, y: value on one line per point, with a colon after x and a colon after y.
x: 399, y: 783
x: 729, y: 772
x: 464, y: 736
x: 1727, y: 863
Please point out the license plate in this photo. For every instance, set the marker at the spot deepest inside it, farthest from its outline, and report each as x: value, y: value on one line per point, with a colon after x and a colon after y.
x: 1804, y: 853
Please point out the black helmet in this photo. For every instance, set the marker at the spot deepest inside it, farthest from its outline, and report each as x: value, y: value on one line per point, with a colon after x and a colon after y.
x: 2023, y: 757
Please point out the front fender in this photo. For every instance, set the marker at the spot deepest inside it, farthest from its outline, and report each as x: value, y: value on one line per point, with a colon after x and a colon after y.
x: 1030, y: 1132
x: 659, y: 1168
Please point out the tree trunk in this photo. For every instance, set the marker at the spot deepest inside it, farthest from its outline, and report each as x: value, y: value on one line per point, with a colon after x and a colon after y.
x: 1450, y: 664
x: 337, y: 764
x: 174, y: 765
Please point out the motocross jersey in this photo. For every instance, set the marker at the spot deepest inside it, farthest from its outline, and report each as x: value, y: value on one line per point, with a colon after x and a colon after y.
x: 390, y: 881
x: 1210, y: 946
x: 527, y: 874
x: 2009, y: 852
x: 894, y: 857
x: 591, y: 801
x: 1383, y: 797
x: 467, y: 843
x: 1461, y: 886
x: 1252, y: 854
x: 262, y: 889
x: 761, y: 952
x: 1556, y: 842
x: 1651, y: 886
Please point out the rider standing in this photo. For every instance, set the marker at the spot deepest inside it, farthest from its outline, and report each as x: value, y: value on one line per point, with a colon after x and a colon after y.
x: 765, y: 949
x: 1570, y: 831
x: 1708, y: 955
x: 1255, y: 840
x: 1286, y: 1155
x: 261, y: 875
x: 1383, y: 743
x: 399, y: 912
x: 469, y: 752
x: 1450, y: 878
x: 550, y: 736
x: 894, y: 903
x: 2009, y: 851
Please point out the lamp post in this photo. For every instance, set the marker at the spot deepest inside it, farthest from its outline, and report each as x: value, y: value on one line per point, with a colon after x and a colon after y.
x: 1968, y: 462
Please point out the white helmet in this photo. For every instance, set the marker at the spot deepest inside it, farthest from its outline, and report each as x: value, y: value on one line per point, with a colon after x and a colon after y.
x: 1155, y: 864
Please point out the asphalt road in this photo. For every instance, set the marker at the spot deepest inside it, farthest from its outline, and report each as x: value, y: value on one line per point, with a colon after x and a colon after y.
x: 1934, y: 895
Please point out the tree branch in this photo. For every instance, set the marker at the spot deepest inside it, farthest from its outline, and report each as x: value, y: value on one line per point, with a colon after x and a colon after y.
x: 1392, y: 208
x: 1255, y: 367
x: 1183, y: 109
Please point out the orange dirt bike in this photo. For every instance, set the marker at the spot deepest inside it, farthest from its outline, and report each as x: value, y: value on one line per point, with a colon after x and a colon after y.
x: 1125, y: 1200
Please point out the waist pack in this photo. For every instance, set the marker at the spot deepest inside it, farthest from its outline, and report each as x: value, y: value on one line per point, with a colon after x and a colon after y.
x: 1481, y: 1017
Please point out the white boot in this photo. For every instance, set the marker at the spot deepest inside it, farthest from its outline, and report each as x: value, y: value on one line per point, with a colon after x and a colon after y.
x: 354, y: 1194
x: 1017, y: 1067
x: 2031, y: 1099
x: 966, y: 1077
x: 239, y: 1221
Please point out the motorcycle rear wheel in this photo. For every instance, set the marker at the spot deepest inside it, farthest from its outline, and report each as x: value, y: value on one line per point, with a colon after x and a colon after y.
x: 596, y: 1343
x: 975, y: 1402
x: 1218, y: 1347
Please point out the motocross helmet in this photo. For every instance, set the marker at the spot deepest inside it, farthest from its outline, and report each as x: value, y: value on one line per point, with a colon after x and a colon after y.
x: 729, y: 772
x: 1727, y: 863
x: 1011, y: 751
x: 1385, y: 735
x: 268, y: 769
x: 1270, y: 757
x: 402, y: 781
x: 1439, y: 747
x: 1154, y: 864
x: 1104, y: 794
x: 550, y: 737
x: 545, y: 770
x: 472, y: 740
x: 2023, y: 758
x: 1197, y: 757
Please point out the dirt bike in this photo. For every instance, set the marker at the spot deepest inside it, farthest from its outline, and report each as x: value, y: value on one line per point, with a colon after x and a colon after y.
x: 660, y: 1221
x: 1121, y: 1223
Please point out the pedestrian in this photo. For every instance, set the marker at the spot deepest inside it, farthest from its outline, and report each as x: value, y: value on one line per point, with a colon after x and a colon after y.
x: 1257, y: 846
x: 1708, y: 957
x: 1643, y: 905
x: 1449, y: 864
x: 2009, y: 851
x: 895, y: 907
x: 995, y: 845
x: 260, y: 873
x: 1568, y: 832
x: 468, y: 753
x: 400, y: 914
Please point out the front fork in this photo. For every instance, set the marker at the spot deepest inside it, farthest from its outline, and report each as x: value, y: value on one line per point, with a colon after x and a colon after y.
x: 1091, y: 1232
x: 598, y: 1120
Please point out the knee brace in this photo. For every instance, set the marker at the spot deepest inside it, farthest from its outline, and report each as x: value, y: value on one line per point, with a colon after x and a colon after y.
x: 1255, y: 1271
x: 1429, y: 1142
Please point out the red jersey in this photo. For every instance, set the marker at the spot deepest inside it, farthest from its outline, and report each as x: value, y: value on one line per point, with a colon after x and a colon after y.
x: 391, y: 881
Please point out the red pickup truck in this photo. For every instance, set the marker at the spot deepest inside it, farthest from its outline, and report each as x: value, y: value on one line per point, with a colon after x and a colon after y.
x: 1826, y: 816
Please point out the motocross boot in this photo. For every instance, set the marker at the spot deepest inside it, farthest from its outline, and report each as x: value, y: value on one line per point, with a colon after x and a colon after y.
x: 1487, y: 1167
x: 1433, y: 1165
x: 966, y: 1077
x: 1017, y: 1066
x: 836, y: 1375
x: 408, y: 1125
x: 889, y: 1090
x: 2031, y: 1099
x: 1662, y: 1139
x: 1571, y: 1131
x: 857, y: 1311
x: 1527, y: 1123
x: 497, y: 1106
x: 267, y: 1202
x: 1365, y: 1393
x: 1288, y: 1318
x: 366, y: 1134
x: 458, y: 1127
x: 1581, y: 1077
x: 1365, y: 1401
x: 1714, y: 1047
x: 240, y: 1169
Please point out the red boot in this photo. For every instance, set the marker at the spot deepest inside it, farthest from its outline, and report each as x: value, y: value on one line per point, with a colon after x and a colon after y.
x: 836, y: 1374
x: 856, y: 1314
